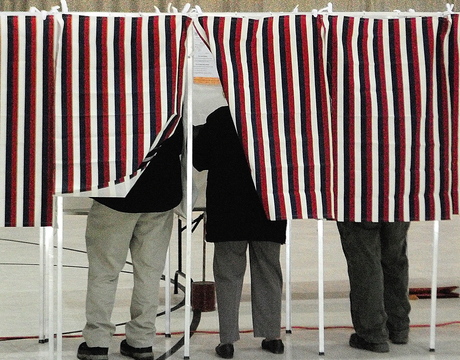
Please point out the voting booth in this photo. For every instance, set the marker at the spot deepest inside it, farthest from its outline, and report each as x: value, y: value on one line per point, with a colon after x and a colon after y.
x: 341, y: 116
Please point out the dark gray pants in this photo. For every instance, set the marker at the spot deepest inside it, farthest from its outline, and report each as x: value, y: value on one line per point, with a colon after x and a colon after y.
x: 378, y: 269
x: 266, y: 287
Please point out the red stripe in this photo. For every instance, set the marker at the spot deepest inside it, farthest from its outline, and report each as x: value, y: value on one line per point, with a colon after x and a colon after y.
x: 105, y: 102
x: 140, y: 91
x: 69, y: 100
x: 13, y: 176
x: 173, y: 46
x: 87, y: 105
x: 442, y: 86
x: 157, y: 66
x: 32, y: 121
x: 417, y: 97
x: 120, y: 38
x: 352, y: 115
x: 429, y: 41
x: 455, y: 61
x: 333, y: 44
x: 49, y: 179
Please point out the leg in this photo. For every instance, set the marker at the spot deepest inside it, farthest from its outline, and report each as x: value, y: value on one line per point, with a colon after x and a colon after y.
x: 108, y: 234
x: 229, y: 268
x: 266, y: 288
x: 148, y: 251
x: 396, y: 279
x: 361, y: 246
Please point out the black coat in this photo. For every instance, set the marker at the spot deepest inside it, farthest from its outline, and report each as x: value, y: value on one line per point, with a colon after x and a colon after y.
x: 160, y: 186
x: 233, y: 207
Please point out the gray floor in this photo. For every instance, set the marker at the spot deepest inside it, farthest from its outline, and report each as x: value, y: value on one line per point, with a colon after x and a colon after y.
x: 19, y: 305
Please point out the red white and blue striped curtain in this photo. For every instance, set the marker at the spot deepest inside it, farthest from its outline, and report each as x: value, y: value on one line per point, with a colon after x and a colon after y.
x: 392, y: 124
x: 384, y: 148
x: 454, y: 83
x: 273, y: 73
x: 120, y: 85
x: 26, y: 120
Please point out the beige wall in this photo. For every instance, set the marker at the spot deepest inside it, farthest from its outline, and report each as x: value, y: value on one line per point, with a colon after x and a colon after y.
x: 232, y: 5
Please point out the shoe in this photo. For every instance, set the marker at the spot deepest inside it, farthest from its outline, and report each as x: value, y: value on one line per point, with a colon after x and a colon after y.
x: 225, y: 351
x: 92, y: 353
x: 274, y: 346
x: 359, y: 343
x: 145, y: 353
x: 400, y: 338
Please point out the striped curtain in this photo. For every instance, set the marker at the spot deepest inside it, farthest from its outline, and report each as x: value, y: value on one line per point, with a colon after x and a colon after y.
x: 120, y: 84
x: 384, y: 148
x: 391, y: 120
x: 454, y: 83
x: 273, y: 73
x: 26, y: 120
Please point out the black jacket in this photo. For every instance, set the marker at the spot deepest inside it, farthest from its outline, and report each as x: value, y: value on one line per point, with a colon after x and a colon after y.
x: 233, y: 207
x: 159, y: 188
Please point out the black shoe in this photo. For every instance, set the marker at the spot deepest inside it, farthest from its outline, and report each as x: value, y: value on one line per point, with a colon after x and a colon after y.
x: 359, y: 343
x: 225, y: 351
x: 145, y: 353
x: 92, y: 353
x: 274, y: 346
x: 399, y: 338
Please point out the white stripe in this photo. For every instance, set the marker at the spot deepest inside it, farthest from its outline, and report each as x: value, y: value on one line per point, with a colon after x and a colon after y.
x: 129, y: 103
x: 436, y: 134
x: 340, y: 211
x: 111, y: 115
x: 21, y: 120
x: 93, y: 101
x: 75, y: 120
x: 375, y: 124
x: 422, y: 121
x: 357, y: 123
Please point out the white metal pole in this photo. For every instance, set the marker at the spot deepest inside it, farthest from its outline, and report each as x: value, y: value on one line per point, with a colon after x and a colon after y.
x: 321, y: 286
x: 188, y: 256
x: 49, y: 250
x: 59, y: 240
x: 434, y: 289
x: 168, y: 294
x: 288, y: 278
x: 43, y: 289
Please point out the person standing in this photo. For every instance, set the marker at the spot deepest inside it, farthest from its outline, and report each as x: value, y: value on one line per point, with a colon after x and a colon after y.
x: 142, y: 224
x: 235, y: 222
x: 378, y: 270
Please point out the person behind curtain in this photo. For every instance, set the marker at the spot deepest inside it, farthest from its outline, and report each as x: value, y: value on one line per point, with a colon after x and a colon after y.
x: 236, y: 221
x: 378, y: 270
x: 142, y: 224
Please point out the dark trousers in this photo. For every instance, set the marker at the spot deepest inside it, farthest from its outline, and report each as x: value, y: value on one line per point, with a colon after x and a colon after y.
x: 378, y: 268
x: 266, y: 287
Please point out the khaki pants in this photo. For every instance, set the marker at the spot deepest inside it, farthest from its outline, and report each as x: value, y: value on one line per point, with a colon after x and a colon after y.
x: 109, y: 236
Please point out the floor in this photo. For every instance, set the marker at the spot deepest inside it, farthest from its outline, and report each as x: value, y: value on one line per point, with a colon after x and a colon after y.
x: 19, y: 305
